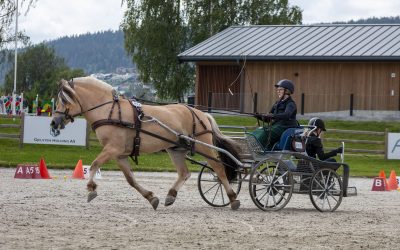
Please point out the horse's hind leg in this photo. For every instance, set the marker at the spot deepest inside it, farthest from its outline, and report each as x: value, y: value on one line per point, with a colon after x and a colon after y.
x: 124, y: 165
x: 220, y: 171
x: 178, y: 157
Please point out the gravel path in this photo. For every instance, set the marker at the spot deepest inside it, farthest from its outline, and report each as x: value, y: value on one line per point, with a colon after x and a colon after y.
x: 54, y: 214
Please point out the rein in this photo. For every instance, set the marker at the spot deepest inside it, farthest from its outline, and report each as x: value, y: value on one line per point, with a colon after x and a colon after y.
x: 71, y: 117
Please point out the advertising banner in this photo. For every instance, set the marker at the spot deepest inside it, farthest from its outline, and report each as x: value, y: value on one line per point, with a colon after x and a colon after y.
x: 37, y: 131
x: 393, y: 150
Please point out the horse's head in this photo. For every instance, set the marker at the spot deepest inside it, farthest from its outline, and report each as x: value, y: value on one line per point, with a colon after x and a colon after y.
x: 67, y: 107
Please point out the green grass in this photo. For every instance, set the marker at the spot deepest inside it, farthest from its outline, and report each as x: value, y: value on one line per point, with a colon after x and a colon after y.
x: 66, y: 157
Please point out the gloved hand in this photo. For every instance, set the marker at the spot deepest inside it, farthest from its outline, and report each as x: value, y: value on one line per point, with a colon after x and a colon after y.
x: 258, y: 116
x: 263, y: 117
x: 267, y: 117
x: 339, y: 150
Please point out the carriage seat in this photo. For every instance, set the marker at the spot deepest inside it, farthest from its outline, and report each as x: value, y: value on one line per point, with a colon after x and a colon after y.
x: 285, y: 142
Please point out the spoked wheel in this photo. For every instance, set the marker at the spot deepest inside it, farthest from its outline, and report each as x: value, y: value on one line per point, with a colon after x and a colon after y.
x: 271, y: 184
x: 211, y: 189
x: 326, y: 190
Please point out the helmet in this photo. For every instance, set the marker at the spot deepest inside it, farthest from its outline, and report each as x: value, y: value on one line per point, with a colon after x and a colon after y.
x: 286, y: 84
x: 317, y: 122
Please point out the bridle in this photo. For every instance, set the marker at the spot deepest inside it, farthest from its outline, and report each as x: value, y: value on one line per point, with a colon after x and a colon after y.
x: 68, y: 116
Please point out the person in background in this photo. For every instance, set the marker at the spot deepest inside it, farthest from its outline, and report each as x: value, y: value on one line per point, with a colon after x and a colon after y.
x: 314, y: 145
x: 39, y: 111
x: 281, y: 116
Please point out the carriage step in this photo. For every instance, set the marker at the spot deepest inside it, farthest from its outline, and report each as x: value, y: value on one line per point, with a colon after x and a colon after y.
x: 351, y: 191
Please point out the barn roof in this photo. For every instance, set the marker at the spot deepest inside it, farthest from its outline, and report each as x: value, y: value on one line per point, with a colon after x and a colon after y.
x: 333, y: 42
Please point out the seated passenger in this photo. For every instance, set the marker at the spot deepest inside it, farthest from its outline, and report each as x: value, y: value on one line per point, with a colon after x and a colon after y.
x: 282, y: 116
x: 314, y: 145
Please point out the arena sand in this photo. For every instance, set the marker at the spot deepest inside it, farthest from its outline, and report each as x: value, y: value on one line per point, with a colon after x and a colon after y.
x: 54, y: 214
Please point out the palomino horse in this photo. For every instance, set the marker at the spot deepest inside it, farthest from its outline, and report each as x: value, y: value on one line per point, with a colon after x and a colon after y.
x: 96, y: 101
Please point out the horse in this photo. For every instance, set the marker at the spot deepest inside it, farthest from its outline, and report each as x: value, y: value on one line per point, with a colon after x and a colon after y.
x: 160, y: 128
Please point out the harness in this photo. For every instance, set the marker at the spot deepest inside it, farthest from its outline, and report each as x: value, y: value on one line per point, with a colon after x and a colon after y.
x: 137, y: 124
x: 137, y: 114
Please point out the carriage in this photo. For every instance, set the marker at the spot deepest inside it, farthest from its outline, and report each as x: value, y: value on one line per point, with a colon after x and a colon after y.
x: 273, y: 176
x: 126, y: 128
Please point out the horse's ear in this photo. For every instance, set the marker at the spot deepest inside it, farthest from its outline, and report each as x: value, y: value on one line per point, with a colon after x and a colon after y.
x: 61, y: 83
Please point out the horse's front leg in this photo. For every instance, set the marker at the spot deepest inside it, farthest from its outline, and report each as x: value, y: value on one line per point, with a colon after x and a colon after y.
x: 104, y: 156
x: 124, y: 165
x: 178, y: 158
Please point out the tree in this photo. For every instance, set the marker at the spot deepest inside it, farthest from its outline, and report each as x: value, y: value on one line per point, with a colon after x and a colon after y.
x: 156, y: 31
x: 7, y: 14
x: 206, y: 18
x: 154, y: 35
x: 39, y: 70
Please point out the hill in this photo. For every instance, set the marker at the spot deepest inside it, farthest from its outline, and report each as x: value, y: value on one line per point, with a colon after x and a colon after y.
x: 100, y: 52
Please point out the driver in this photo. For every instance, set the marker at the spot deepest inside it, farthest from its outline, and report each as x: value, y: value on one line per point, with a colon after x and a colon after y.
x: 282, y: 115
x: 314, y: 145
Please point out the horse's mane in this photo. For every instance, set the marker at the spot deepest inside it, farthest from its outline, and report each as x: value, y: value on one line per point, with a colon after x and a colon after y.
x: 67, y: 88
x: 89, y: 80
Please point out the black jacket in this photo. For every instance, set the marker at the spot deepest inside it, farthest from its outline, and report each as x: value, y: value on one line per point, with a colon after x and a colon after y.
x: 284, y: 113
x: 314, y: 147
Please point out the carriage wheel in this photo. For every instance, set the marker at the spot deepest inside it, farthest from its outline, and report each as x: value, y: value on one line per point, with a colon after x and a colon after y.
x: 271, y: 184
x: 211, y: 189
x: 326, y: 190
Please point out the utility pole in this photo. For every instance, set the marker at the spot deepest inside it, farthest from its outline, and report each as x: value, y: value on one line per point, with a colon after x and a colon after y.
x: 14, y: 95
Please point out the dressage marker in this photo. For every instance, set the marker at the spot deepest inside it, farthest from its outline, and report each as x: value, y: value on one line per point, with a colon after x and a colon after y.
x: 379, y: 184
x: 30, y: 171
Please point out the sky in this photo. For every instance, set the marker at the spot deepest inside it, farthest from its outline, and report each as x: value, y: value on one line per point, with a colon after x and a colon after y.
x: 51, y: 19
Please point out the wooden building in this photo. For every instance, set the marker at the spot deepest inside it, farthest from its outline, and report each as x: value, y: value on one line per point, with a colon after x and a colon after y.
x: 334, y: 67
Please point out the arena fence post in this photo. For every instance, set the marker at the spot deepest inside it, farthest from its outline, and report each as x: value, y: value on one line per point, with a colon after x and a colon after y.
x: 351, y: 104
x: 255, y: 102
x: 21, y: 130
x: 386, y: 143
x: 209, y: 101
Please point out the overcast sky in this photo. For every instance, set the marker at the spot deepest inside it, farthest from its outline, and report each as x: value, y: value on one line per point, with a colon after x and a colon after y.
x: 50, y: 19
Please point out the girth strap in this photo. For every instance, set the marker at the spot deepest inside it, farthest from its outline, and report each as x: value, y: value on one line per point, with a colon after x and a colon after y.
x: 194, y: 134
x: 138, y: 125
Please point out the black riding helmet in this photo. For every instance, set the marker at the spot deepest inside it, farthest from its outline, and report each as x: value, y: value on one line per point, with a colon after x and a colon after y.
x: 317, y: 122
x: 286, y: 84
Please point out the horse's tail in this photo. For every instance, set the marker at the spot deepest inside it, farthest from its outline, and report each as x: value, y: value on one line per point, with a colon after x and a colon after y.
x: 227, y: 144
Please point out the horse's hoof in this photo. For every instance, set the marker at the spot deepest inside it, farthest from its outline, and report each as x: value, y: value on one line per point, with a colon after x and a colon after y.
x: 169, y: 200
x: 91, y: 195
x: 235, y: 204
x: 154, y: 202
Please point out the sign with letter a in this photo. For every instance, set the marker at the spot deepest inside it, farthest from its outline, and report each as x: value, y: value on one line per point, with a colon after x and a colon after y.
x: 27, y: 172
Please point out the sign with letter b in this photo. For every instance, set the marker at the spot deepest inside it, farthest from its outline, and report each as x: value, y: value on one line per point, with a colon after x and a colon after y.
x: 379, y: 184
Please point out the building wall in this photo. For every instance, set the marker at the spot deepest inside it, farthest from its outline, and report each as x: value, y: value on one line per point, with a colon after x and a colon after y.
x: 218, y: 79
x: 326, y: 85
